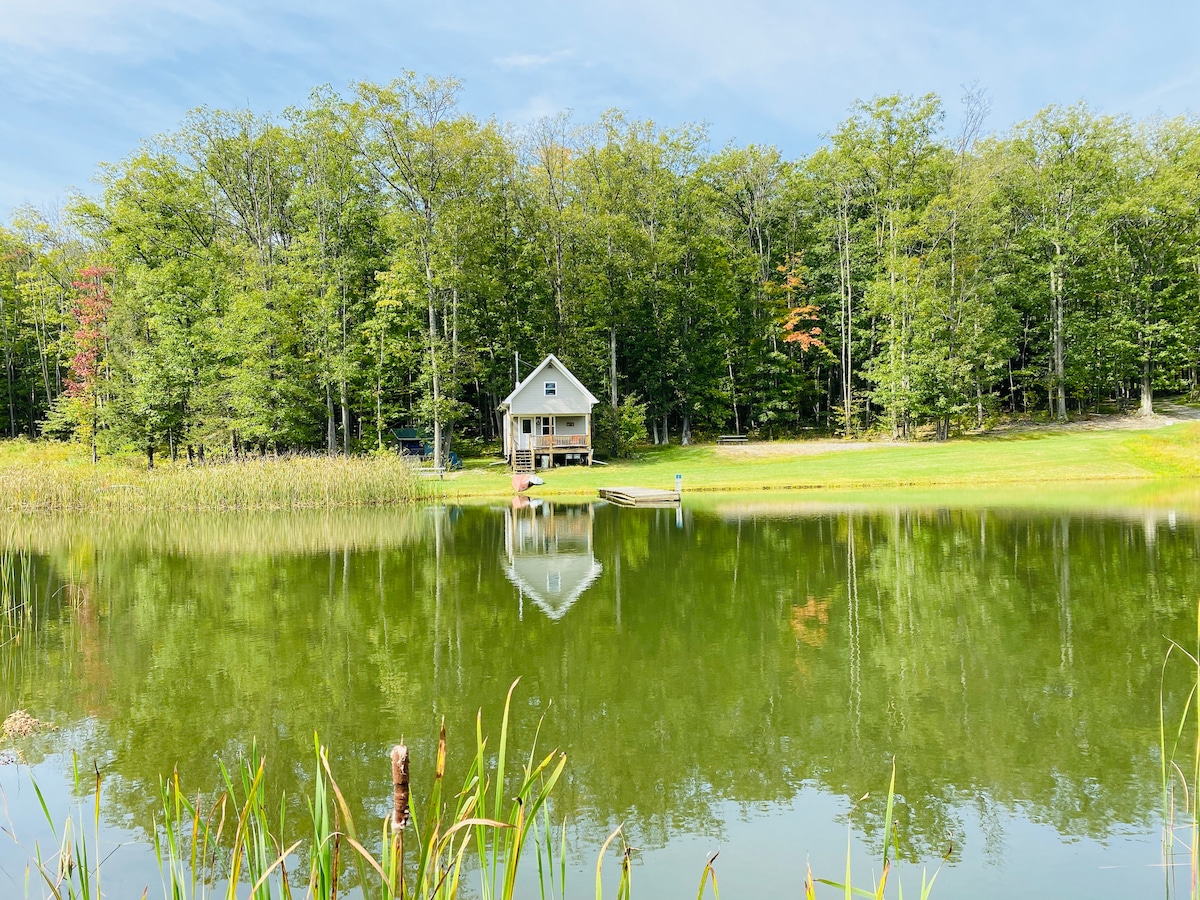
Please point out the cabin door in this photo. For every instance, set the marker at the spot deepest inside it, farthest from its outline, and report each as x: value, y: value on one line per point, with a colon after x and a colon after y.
x: 525, y: 435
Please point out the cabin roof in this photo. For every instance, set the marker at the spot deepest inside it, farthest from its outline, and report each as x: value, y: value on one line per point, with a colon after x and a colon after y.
x: 507, y: 402
x: 410, y: 434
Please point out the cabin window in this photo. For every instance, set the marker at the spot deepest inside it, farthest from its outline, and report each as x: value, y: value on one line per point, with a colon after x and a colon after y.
x: 551, y: 388
x: 527, y: 426
x: 547, y: 425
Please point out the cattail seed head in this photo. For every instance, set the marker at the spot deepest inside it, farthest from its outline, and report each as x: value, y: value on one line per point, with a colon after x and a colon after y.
x: 400, y: 814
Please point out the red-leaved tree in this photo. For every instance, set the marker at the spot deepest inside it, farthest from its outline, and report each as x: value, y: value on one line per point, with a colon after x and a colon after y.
x: 90, y: 310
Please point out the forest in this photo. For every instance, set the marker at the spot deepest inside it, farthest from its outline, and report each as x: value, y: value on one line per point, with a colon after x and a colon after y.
x: 313, y: 279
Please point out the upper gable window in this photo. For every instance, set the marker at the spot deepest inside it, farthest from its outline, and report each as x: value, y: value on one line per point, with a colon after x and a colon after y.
x: 551, y: 388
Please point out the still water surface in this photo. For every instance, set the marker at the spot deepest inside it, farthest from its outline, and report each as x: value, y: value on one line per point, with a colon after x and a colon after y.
x: 731, y: 676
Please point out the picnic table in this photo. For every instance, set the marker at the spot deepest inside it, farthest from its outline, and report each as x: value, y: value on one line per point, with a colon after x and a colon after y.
x: 732, y: 439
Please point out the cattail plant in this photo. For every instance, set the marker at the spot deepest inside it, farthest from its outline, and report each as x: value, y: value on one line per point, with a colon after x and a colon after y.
x: 239, y: 847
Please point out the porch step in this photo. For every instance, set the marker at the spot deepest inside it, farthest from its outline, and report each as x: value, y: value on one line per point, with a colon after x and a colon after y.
x: 522, y: 460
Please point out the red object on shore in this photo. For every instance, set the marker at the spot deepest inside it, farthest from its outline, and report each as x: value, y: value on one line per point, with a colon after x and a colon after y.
x: 521, y: 482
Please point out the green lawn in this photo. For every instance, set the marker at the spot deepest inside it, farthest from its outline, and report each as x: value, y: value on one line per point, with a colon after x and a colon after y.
x: 46, y: 475
x: 1046, y: 458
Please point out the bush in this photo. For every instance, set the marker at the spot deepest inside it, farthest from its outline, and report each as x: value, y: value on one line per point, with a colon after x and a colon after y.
x: 620, y: 435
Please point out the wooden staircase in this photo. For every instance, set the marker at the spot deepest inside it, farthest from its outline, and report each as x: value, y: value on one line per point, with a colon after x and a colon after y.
x: 522, y: 461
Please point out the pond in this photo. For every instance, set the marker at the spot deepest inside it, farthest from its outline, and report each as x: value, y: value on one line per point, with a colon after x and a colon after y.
x: 733, y: 675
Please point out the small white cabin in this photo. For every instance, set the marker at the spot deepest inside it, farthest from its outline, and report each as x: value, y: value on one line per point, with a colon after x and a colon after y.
x: 548, y: 419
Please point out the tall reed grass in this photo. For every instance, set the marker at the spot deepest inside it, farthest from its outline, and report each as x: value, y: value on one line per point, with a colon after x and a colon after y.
x: 18, y: 594
x: 60, y: 485
x: 876, y: 891
x: 239, y: 845
x: 71, y: 870
x: 472, y: 840
x: 1179, y: 756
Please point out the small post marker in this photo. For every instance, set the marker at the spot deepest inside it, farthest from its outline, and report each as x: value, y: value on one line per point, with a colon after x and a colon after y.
x: 679, y: 484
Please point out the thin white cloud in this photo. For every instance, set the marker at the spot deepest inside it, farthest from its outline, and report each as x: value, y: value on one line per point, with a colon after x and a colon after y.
x: 1179, y: 90
x: 141, y: 30
x: 530, y: 60
x: 110, y: 27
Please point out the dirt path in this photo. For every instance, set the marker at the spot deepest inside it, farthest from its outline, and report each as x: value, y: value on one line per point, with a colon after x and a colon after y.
x: 794, y: 448
x: 1166, y: 413
x: 1178, y: 412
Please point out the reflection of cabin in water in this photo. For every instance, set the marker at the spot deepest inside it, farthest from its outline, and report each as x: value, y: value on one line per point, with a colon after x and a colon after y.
x: 549, y: 549
x: 548, y: 419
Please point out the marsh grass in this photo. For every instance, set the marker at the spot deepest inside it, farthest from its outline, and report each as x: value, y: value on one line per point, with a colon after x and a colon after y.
x: 470, y: 840
x: 33, y: 480
x: 18, y: 593
x: 890, y: 838
x: 240, y: 846
x: 70, y: 870
x: 1179, y: 756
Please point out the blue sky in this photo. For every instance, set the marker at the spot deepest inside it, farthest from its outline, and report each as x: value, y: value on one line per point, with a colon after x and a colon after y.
x: 83, y: 81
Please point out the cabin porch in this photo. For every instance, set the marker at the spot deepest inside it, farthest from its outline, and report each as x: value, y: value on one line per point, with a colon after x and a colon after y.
x: 546, y: 441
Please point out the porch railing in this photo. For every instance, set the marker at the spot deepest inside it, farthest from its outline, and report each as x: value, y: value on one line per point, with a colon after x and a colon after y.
x: 561, y: 441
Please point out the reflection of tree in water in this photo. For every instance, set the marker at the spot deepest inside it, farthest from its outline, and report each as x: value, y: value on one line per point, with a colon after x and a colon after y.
x: 1006, y: 660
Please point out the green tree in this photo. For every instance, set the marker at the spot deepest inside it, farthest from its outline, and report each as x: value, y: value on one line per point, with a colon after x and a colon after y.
x: 424, y: 156
x: 1062, y: 174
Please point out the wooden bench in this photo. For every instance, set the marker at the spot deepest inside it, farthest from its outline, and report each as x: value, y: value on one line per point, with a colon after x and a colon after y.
x: 433, y: 470
x: 732, y: 439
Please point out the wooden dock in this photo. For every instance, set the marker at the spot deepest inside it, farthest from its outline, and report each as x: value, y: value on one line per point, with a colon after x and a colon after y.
x: 636, y: 496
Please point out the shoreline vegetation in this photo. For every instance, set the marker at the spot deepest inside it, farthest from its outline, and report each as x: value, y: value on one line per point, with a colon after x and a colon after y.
x: 43, y: 476
x: 485, y: 836
x: 47, y: 476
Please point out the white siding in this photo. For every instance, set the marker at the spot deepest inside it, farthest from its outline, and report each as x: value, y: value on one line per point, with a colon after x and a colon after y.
x: 532, y: 399
x: 578, y: 425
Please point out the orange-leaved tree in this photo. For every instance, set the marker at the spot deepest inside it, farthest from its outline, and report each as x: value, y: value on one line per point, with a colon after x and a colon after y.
x: 799, y: 315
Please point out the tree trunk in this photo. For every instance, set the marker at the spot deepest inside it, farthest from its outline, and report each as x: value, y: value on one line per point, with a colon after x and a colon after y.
x: 435, y: 376
x: 345, y: 406
x: 1147, y: 407
x: 12, y: 406
x: 737, y: 423
x: 612, y: 388
x: 330, y: 423
x: 379, y: 397
x: 1058, y: 321
x: 847, y: 315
